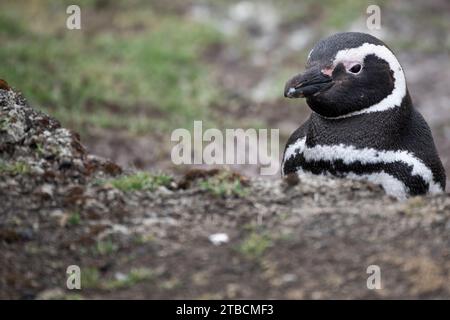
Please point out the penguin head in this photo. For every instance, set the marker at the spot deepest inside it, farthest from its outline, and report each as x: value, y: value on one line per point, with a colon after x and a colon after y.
x: 347, y: 74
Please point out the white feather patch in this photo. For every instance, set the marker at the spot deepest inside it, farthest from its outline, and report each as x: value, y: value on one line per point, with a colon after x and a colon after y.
x: 358, y: 54
x: 295, y: 148
x: 349, y: 154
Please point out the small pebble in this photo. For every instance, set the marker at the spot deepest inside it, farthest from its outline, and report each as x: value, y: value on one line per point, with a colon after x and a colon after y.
x: 218, y: 238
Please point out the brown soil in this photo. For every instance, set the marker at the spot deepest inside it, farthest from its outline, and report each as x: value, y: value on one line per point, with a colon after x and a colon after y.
x: 309, y: 238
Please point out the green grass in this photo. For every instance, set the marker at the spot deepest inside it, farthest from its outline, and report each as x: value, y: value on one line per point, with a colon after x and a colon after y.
x: 224, y: 185
x: 140, y: 181
x: 3, y: 124
x: 74, y: 219
x: 73, y: 296
x: 254, y: 245
x: 91, y: 279
x: 106, y: 247
x: 132, y: 278
x: 15, y: 168
x: 145, y: 80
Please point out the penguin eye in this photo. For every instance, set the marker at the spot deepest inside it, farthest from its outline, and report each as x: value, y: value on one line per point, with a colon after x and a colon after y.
x: 355, y: 69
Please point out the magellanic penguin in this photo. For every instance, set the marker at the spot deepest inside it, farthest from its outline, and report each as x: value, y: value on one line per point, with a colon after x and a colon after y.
x: 363, y: 124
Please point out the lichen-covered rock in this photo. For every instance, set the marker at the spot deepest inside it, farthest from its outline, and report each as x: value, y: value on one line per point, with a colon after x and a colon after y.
x: 39, y: 145
x: 311, y: 237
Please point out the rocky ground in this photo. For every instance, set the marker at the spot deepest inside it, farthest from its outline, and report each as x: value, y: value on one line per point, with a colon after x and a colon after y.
x: 207, y: 234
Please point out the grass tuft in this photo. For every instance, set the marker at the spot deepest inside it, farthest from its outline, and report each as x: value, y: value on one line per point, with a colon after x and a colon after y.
x: 140, y: 181
x: 134, y: 277
x: 15, y: 168
x: 254, y: 245
x: 106, y: 247
x: 225, y: 184
x: 74, y: 219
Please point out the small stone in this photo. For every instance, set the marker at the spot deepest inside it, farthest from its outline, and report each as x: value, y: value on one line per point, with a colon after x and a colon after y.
x: 289, y: 277
x: 120, y: 276
x: 218, y: 238
x: 46, y: 190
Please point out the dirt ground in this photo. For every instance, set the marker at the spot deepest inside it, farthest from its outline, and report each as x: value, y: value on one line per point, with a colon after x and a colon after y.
x: 208, y: 235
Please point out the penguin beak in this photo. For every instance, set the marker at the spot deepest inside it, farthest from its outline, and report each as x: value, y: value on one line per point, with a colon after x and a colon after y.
x: 308, y: 83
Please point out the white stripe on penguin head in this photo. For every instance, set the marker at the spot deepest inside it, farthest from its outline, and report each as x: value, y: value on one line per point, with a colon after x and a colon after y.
x: 394, y: 99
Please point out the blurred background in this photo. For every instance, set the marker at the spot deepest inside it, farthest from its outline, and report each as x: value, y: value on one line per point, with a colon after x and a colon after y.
x: 137, y: 70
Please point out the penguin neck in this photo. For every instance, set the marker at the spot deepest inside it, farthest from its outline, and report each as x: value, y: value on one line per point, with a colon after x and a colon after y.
x: 363, y: 128
x: 395, y: 109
